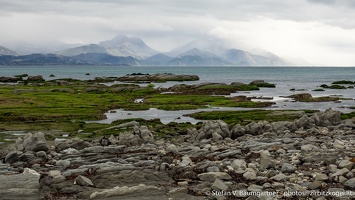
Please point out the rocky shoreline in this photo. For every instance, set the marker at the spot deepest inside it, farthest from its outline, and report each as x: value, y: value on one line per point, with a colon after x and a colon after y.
x: 212, y: 161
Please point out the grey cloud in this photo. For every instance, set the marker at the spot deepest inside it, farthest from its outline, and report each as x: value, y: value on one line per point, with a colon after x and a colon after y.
x: 323, y: 1
x: 183, y: 18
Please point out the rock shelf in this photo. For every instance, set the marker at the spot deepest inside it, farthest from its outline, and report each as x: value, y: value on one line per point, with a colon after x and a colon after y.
x: 212, y: 161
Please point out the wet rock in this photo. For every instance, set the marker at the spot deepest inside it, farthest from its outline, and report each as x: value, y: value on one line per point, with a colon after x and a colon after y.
x: 62, y: 163
x: 238, y: 131
x: 238, y: 164
x: 213, y: 169
x: 123, y: 191
x: 315, y: 185
x: 288, y: 168
x: 219, y: 185
x: 255, y: 188
x: 350, y: 183
x: 144, y: 133
x: 4, y: 79
x: 19, y: 144
x: 346, y: 164
x: 172, y: 148
x: 29, y: 157
x: 41, y: 154
x: 140, y: 135
x: 249, y: 174
x: 211, y: 176
x: 13, y: 156
x: 37, y: 78
x: 309, y: 148
x: 70, y: 151
x: 262, y: 83
x: 339, y: 144
x: 157, y: 77
x: 128, y: 139
x: 35, y: 142
x: 266, y: 161
x: 320, y: 177
x: 19, y: 186
x: 79, y: 144
x: 216, y: 137
x: 340, y: 172
x: 186, y: 160
x: 329, y: 117
x: 125, y: 125
x: 209, y: 127
x: 83, y: 181
x: 279, y: 177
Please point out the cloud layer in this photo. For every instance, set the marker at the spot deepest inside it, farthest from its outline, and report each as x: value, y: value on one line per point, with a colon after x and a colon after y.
x: 319, y: 31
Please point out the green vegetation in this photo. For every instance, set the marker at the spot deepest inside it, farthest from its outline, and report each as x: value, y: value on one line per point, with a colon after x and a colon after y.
x: 318, y: 90
x: 234, y: 88
x: 343, y: 82
x: 65, y: 104
x: 28, y: 103
x: 333, y: 86
x: 265, y: 84
x: 347, y: 115
x: 184, y: 102
x: 21, y: 75
x: 246, y: 116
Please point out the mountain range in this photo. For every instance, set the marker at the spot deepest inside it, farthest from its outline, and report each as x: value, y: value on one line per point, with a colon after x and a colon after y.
x: 125, y: 50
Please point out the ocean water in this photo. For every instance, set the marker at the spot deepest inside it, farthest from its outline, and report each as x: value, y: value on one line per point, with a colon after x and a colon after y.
x: 290, y: 75
x: 302, y: 79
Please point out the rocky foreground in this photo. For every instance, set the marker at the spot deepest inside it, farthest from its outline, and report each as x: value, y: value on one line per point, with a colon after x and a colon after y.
x: 279, y: 160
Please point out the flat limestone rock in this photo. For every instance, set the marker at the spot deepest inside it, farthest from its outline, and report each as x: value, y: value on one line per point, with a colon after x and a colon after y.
x: 19, y: 186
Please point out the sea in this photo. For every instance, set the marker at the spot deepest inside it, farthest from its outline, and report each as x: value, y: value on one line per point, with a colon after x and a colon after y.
x: 288, y: 80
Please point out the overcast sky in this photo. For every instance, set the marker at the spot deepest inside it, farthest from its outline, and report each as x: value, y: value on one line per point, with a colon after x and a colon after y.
x: 321, y: 32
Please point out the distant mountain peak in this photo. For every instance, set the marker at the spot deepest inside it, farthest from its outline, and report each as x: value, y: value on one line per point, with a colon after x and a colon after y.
x: 90, y: 48
x: 213, y: 45
x: 122, y: 39
x: 122, y: 45
x: 198, y: 52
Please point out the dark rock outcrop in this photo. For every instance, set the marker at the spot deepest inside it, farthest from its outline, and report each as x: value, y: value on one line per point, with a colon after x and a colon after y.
x: 157, y: 77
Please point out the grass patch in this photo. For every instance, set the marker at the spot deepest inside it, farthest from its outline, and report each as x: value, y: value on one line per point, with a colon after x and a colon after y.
x: 333, y: 86
x: 318, y: 90
x: 242, y: 87
x: 183, y: 102
x: 343, y: 82
x: 347, y: 115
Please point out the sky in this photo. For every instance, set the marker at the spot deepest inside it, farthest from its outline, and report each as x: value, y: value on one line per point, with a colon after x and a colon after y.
x: 318, y: 32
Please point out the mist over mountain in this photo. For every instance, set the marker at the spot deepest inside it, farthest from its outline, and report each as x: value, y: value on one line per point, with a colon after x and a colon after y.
x: 122, y: 45
x: 125, y: 50
x: 197, y: 57
x: 91, y: 48
x: 223, y: 55
x: 158, y: 59
x: 105, y: 59
x: 215, y: 46
x: 6, y: 51
x: 46, y: 47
